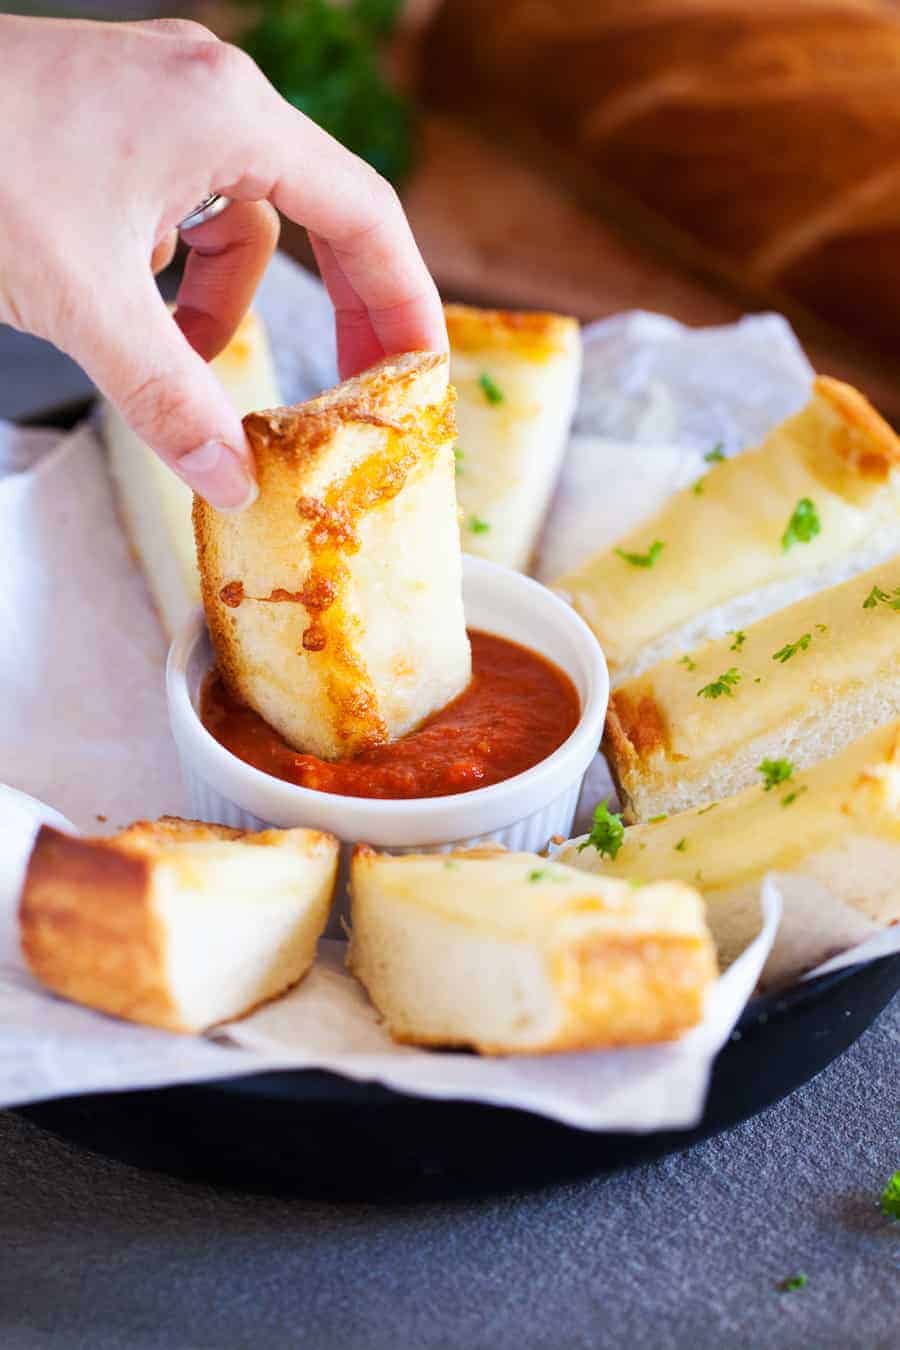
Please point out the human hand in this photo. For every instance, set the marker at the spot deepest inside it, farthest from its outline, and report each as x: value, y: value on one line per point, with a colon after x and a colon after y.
x: 112, y: 133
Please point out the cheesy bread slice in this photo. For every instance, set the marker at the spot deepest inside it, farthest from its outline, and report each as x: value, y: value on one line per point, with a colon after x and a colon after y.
x: 155, y: 505
x: 837, y: 824
x: 175, y: 923
x: 818, y: 501
x: 511, y: 954
x: 516, y: 377
x: 334, y: 602
x: 798, y: 686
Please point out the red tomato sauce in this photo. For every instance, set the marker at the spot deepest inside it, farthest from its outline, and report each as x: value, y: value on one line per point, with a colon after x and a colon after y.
x: 516, y: 710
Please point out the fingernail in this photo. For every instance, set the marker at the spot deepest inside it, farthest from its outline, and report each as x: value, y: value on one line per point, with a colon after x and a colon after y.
x: 218, y: 474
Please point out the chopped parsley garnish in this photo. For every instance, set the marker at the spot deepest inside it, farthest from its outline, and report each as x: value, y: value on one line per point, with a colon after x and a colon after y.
x: 459, y: 456
x: 716, y: 455
x: 775, y: 771
x: 477, y: 525
x: 451, y: 865
x: 792, y: 648
x: 681, y: 846
x: 607, y: 833
x: 543, y: 874
x: 740, y: 637
x: 664, y: 815
x: 723, y: 685
x: 821, y: 627
x: 803, y: 525
x: 792, y: 796
x: 877, y: 596
x: 687, y: 663
x: 793, y: 1282
x: 492, y: 392
x: 712, y: 806
x: 890, y: 1197
x: 642, y: 559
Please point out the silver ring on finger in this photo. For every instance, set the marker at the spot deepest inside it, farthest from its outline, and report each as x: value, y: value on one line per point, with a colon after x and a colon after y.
x: 208, y: 209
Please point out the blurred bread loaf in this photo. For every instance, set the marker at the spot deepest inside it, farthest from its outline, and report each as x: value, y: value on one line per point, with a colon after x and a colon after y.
x: 155, y: 505
x: 761, y: 139
x: 818, y: 501
x: 803, y: 683
x: 836, y: 824
x: 334, y: 601
x: 516, y: 380
x: 510, y: 954
x: 175, y: 923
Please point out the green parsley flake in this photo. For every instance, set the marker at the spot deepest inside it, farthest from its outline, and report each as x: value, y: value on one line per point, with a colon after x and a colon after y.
x: 607, y: 833
x: 775, y: 771
x: 687, y: 663
x: 542, y: 874
x: 803, y: 525
x: 681, y: 846
x: 654, y: 819
x: 490, y: 389
x: 459, y: 456
x: 642, y: 559
x: 723, y: 685
x: 792, y: 648
x: 890, y: 1197
x: 451, y: 865
x: 712, y: 806
x: 740, y: 637
x: 714, y: 456
x: 821, y: 627
x: 877, y: 596
x: 792, y: 796
x: 478, y: 526
x: 793, y: 1282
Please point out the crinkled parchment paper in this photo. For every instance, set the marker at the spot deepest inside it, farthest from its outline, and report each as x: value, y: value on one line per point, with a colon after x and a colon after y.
x: 85, y: 727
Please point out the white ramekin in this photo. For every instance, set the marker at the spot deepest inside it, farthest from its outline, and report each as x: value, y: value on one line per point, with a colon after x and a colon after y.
x: 521, y: 813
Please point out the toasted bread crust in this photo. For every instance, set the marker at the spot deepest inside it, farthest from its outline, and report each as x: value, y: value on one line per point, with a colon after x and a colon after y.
x: 88, y: 931
x: 88, y: 926
x: 532, y: 335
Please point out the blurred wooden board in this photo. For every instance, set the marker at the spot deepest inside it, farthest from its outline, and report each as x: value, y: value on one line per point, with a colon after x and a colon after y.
x: 497, y: 231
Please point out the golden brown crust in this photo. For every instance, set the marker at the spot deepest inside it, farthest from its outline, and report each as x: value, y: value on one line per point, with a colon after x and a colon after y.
x: 533, y: 335
x: 88, y: 931
x: 866, y: 442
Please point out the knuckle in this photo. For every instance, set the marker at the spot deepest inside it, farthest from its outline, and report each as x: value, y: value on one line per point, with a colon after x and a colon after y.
x: 154, y: 404
x: 183, y: 28
x: 214, y: 61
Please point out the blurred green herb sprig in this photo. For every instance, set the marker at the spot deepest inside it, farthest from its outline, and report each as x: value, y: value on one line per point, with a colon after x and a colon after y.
x: 324, y: 59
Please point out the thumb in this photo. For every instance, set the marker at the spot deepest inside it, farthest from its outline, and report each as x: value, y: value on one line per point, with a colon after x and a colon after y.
x: 138, y: 356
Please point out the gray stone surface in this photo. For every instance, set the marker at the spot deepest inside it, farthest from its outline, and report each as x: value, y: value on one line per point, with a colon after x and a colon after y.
x: 687, y: 1252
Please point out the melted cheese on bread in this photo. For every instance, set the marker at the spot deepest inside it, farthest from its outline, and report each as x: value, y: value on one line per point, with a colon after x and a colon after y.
x: 723, y: 560
x: 175, y: 923
x: 837, y: 824
x: 334, y: 602
x: 808, y: 678
x: 516, y: 377
x: 512, y: 954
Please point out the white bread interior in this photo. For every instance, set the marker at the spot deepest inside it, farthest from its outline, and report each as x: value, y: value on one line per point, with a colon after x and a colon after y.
x: 671, y: 748
x: 511, y: 954
x: 334, y: 602
x: 154, y: 504
x: 176, y: 924
x: 837, y: 823
x: 722, y: 564
x: 509, y: 451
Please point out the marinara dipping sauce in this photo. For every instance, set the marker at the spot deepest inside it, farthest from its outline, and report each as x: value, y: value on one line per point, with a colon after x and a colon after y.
x: 517, y: 709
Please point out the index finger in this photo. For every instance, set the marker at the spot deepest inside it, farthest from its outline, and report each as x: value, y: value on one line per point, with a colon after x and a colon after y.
x: 384, y: 296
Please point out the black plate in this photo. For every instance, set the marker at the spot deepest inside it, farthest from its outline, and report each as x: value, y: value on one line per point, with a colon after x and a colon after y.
x: 319, y: 1134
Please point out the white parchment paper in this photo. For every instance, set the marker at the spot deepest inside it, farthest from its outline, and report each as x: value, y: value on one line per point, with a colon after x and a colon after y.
x: 85, y: 728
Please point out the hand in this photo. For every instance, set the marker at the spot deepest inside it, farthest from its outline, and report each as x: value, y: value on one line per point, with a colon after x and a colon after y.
x: 109, y: 135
